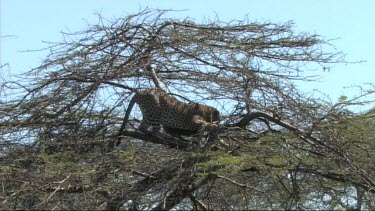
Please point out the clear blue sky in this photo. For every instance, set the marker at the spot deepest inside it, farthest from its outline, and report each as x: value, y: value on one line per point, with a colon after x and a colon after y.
x: 26, y: 23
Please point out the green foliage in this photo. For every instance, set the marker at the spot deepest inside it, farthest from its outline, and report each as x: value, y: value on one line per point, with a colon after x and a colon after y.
x: 221, y: 162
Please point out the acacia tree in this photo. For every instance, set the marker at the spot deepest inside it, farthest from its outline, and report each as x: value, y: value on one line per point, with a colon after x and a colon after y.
x: 283, y: 149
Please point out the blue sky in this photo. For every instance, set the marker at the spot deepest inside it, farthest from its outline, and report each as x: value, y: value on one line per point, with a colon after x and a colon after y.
x: 26, y: 23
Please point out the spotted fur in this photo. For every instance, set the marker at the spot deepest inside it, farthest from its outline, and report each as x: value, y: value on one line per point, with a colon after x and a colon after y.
x: 177, y: 118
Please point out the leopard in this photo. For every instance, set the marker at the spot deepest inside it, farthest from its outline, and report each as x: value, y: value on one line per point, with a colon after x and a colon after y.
x: 162, y: 110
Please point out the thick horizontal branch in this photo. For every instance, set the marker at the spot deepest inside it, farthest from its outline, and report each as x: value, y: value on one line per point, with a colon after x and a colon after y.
x: 255, y: 115
x: 300, y: 132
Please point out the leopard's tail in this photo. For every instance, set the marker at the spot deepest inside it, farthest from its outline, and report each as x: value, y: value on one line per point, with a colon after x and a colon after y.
x: 126, y: 119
